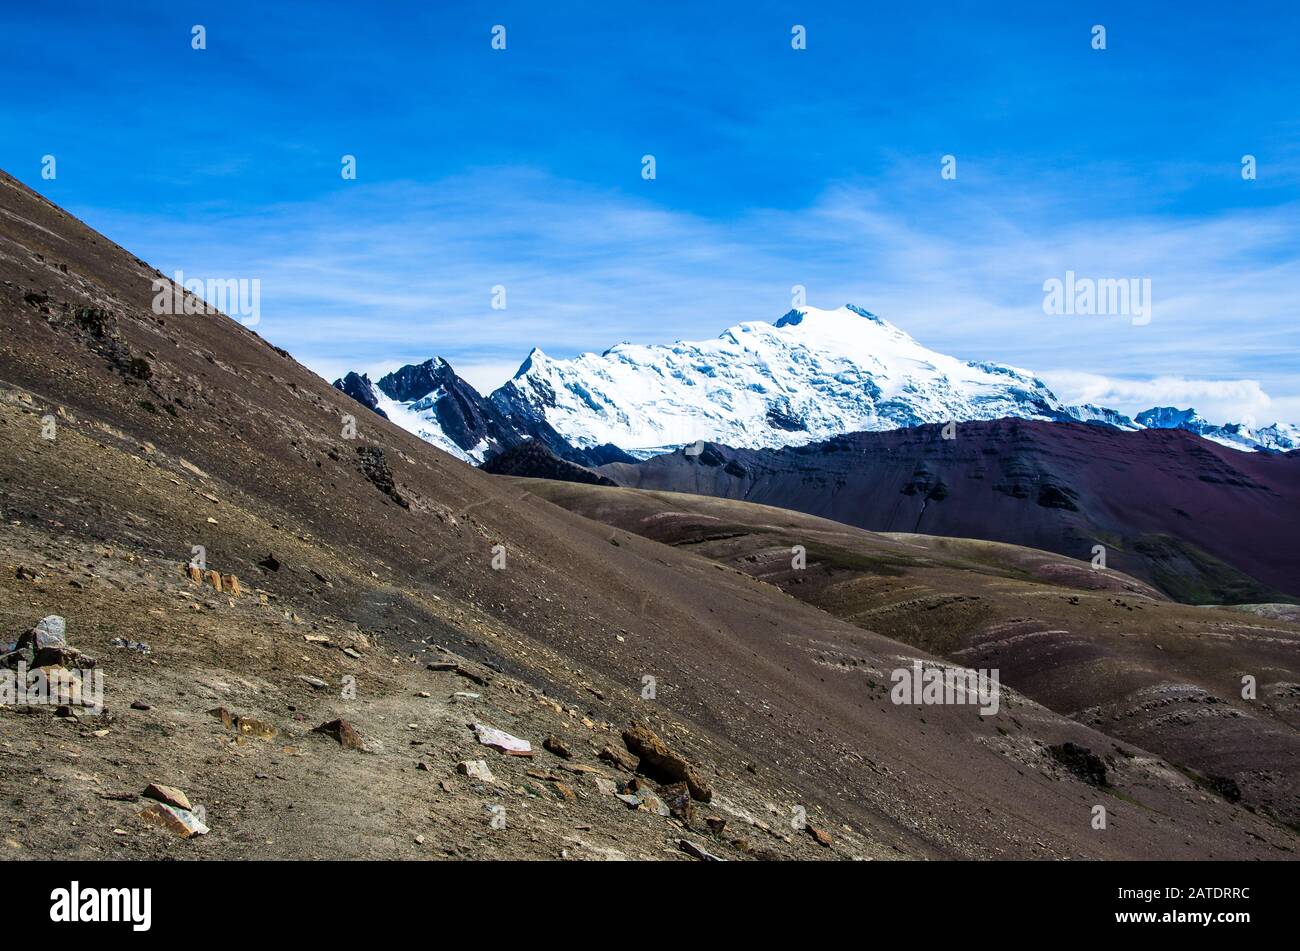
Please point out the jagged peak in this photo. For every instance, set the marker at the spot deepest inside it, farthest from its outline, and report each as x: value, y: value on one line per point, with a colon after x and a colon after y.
x: 535, y: 357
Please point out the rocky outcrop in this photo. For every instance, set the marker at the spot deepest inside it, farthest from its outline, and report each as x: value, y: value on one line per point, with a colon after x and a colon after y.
x: 661, y: 763
x: 535, y: 461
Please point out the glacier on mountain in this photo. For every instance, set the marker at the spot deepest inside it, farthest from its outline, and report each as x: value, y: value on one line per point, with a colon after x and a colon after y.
x: 812, y: 375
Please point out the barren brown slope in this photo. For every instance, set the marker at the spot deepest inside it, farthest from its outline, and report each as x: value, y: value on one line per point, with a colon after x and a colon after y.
x: 777, y: 700
x: 1095, y: 645
x: 1204, y: 523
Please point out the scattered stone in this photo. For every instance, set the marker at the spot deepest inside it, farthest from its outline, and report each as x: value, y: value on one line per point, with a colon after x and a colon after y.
x: 244, y: 726
x: 629, y: 800
x: 314, y: 682
x: 168, y: 794
x: 502, y: 741
x: 140, y: 647
x: 606, y: 786
x: 656, y: 805
x: 716, y: 824
x: 555, y: 745
x: 657, y: 760
x: 140, y: 705
x: 471, y: 675
x: 620, y: 758
x: 677, y: 796
x: 821, y: 836
x: 476, y: 769
x: 50, y: 632
x: 182, y: 822
x: 690, y: 848
x: 342, y: 731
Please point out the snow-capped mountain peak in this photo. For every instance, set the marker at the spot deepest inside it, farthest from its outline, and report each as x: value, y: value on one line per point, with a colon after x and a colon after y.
x: 430, y: 400
x: 810, y: 375
x: 1277, y: 437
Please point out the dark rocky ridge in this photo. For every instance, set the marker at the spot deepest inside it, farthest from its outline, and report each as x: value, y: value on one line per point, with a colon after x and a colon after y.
x: 359, y: 387
x: 533, y: 460
x: 1204, y: 523
x: 466, y: 417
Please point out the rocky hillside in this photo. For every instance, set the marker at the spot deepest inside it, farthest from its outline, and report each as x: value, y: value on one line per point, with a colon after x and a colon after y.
x: 1090, y: 643
x: 336, y: 643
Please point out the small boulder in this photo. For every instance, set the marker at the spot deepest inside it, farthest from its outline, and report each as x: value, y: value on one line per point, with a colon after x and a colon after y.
x: 658, y: 761
x: 50, y: 631
x: 677, y: 797
x: 168, y: 794
x: 476, y: 769
x: 344, y: 733
x: 620, y: 758
x: 555, y: 745
x: 820, y: 836
x: 502, y: 741
x: 181, y: 822
x: 606, y: 786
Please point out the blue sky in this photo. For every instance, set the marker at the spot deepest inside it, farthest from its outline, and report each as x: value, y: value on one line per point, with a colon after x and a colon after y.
x: 821, y: 167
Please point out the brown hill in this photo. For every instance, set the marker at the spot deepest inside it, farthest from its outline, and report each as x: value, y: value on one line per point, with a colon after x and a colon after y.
x: 1098, y: 646
x: 1204, y: 523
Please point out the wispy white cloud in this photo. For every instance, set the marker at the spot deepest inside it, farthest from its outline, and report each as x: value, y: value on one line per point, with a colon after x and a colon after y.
x: 1216, y: 400
x: 380, y: 275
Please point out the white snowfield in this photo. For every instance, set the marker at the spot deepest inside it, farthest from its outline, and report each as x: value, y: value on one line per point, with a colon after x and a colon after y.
x: 420, y: 418
x: 812, y: 375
